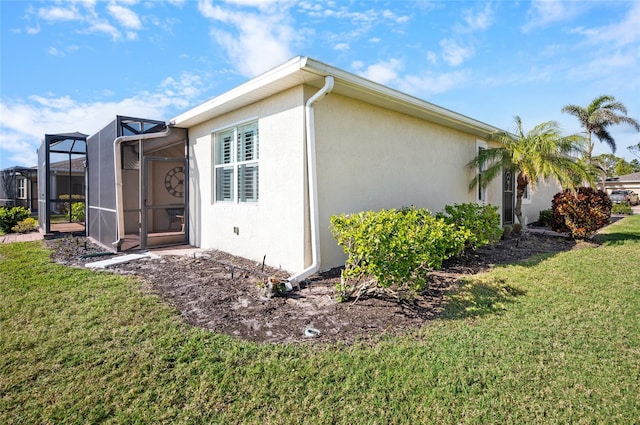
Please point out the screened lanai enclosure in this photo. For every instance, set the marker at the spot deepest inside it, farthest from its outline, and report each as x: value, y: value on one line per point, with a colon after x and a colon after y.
x: 62, y: 183
x: 137, y: 193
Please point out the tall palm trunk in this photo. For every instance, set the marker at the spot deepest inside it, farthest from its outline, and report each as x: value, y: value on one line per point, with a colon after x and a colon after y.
x: 521, y: 186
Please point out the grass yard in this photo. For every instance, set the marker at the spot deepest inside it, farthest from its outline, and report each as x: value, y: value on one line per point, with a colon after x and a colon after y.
x: 555, y: 340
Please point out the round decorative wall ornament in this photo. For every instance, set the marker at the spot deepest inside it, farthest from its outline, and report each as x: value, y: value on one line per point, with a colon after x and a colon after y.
x: 174, y: 181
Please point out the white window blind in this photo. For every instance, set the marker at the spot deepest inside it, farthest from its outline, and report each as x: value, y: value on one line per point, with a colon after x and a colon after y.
x: 236, y: 164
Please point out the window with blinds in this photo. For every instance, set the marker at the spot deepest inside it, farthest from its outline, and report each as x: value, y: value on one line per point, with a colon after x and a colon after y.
x: 236, y: 164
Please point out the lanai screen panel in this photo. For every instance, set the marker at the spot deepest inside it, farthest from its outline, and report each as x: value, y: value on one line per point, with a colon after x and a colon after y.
x: 101, y: 222
x: 43, y: 172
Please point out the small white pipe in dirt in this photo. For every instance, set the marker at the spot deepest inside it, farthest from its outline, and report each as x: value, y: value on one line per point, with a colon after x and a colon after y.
x: 312, y: 179
x: 117, y: 163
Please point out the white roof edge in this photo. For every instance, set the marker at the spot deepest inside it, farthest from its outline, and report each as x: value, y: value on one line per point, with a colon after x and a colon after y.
x: 304, y: 63
x: 447, y: 114
x: 257, y: 82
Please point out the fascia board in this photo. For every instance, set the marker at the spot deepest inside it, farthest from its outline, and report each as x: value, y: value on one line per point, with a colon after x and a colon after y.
x: 259, y: 87
x: 395, y: 100
x: 304, y: 70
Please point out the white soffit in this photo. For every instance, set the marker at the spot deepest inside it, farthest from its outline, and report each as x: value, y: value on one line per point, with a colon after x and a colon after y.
x: 303, y: 70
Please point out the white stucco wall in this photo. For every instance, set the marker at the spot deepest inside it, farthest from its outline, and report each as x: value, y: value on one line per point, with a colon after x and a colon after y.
x: 541, y: 198
x: 275, y: 226
x: 371, y: 158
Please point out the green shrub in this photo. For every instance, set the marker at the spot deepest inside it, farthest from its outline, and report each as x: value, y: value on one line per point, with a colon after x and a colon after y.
x: 392, y: 250
x: 582, y: 212
x: 27, y: 225
x: 483, y: 222
x: 546, y: 218
x: 77, y: 212
x: 64, y: 207
x: 10, y: 216
x: 621, y: 209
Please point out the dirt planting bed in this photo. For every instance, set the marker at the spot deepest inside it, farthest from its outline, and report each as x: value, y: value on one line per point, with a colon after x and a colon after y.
x: 226, y: 294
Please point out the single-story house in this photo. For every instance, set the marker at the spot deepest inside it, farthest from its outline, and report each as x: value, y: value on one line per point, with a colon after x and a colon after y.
x: 626, y: 182
x: 19, y: 187
x: 258, y: 171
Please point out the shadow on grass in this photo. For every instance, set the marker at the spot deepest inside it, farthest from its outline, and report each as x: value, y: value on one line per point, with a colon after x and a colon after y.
x: 616, y: 238
x: 476, y: 298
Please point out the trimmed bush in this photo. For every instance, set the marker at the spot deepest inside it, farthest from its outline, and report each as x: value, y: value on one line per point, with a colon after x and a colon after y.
x: 27, y: 225
x: 582, y: 212
x: 391, y: 251
x: 545, y: 218
x: 11, y: 216
x: 621, y: 209
x: 64, y: 207
x: 77, y: 212
x: 483, y: 222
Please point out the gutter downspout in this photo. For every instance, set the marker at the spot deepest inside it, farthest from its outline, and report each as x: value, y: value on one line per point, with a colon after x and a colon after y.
x: 312, y: 179
x: 117, y: 163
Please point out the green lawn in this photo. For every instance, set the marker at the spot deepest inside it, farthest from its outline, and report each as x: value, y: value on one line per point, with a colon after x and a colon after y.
x: 556, y: 340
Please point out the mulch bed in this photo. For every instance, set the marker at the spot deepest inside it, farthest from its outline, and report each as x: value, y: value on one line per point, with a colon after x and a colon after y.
x: 226, y: 294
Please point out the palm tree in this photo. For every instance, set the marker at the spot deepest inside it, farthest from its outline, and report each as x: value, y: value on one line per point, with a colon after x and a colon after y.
x: 540, y: 153
x: 600, y: 114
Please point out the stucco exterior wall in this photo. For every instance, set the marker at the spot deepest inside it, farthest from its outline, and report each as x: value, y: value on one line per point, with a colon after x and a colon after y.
x: 540, y: 200
x: 275, y: 225
x: 371, y: 158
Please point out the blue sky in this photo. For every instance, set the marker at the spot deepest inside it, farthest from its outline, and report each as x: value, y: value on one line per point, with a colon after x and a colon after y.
x: 73, y: 65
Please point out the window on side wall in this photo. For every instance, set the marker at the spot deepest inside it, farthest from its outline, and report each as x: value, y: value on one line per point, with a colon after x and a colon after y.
x: 236, y: 167
x: 481, y: 189
x: 22, y: 189
x: 526, y: 197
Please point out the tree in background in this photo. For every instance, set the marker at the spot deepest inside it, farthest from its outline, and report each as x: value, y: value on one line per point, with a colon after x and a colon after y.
x: 603, y: 112
x: 540, y: 153
x: 613, y: 166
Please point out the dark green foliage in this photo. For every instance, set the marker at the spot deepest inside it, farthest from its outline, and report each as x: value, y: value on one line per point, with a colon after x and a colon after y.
x: 581, y: 212
x: 483, y: 221
x: 546, y: 218
x: 10, y: 216
x: 392, y: 250
x: 621, y: 209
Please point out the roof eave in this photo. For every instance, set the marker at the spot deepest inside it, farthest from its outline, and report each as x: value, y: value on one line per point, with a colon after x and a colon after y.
x: 304, y: 70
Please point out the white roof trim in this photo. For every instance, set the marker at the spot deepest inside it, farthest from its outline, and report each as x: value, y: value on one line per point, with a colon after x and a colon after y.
x: 304, y: 70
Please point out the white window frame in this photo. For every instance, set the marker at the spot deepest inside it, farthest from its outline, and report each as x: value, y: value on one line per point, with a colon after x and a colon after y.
x: 22, y: 188
x: 481, y: 192
x: 526, y: 197
x: 241, y: 162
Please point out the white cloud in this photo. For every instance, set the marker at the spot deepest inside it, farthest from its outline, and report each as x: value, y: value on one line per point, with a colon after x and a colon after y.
x: 545, y: 12
x: 104, y: 27
x: 54, y: 52
x: 453, y: 53
x: 428, y: 84
x: 383, y: 72
x: 257, y: 41
x: 432, y: 57
x: 59, y: 13
x: 126, y: 17
x: 476, y: 21
x: 341, y: 47
x: 621, y: 33
x: 24, y: 122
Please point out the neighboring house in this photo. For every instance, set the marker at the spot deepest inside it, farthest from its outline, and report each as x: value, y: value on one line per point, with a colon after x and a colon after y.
x: 628, y: 182
x: 19, y: 187
x: 259, y: 170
